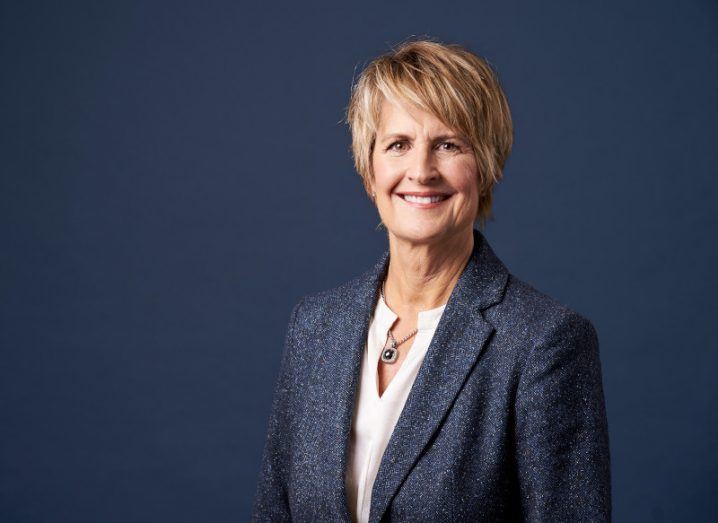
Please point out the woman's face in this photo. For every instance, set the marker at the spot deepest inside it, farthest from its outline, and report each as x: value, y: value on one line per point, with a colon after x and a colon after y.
x: 416, y: 155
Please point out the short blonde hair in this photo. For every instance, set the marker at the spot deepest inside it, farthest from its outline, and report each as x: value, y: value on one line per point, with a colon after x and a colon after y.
x: 448, y: 81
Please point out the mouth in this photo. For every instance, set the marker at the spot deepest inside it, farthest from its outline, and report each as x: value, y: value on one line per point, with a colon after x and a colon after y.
x: 424, y: 200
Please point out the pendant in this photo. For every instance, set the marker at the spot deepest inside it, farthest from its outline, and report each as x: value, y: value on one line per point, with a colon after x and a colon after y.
x: 389, y: 355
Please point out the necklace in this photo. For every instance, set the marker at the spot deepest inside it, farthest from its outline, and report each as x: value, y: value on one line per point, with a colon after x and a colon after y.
x: 389, y: 355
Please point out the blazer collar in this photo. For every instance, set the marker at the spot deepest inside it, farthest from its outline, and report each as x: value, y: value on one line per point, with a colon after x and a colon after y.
x: 457, y: 342
x: 482, y: 281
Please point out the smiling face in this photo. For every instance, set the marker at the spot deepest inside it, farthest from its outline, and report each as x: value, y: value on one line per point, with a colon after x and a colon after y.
x: 425, y: 176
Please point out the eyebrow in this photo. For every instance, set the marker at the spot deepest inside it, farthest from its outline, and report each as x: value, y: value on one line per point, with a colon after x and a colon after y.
x: 401, y: 136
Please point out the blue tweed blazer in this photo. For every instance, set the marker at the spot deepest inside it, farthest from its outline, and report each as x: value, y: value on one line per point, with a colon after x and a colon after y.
x: 506, y: 420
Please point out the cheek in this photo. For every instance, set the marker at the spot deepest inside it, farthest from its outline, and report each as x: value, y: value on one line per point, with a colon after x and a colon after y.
x: 381, y: 174
x: 466, y: 181
x: 384, y: 177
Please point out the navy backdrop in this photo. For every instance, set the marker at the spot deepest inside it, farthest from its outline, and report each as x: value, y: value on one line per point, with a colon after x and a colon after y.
x: 175, y: 175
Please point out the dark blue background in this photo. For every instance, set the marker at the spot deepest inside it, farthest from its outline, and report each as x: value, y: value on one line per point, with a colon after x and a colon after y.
x: 175, y: 176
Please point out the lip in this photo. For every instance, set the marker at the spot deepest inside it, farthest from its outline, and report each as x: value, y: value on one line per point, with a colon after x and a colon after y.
x: 423, y: 193
x: 430, y: 205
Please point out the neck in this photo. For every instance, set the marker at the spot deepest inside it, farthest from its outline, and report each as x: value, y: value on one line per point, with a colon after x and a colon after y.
x: 422, y: 276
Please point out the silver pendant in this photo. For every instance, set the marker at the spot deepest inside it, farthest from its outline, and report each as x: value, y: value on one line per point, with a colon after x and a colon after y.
x: 389, y: 355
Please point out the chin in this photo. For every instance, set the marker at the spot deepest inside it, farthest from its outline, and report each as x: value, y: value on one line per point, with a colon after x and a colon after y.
x: 419, y: 233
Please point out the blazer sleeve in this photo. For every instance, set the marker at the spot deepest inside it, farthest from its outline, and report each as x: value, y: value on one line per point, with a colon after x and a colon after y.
x: 562, y: 446
x: 271, y: 501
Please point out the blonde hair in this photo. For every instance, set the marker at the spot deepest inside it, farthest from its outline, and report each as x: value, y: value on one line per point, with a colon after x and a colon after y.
x: 448, y: 81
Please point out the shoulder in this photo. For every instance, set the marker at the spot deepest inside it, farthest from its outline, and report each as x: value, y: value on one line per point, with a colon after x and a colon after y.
x: 315, y: 306
x: 533, y: 318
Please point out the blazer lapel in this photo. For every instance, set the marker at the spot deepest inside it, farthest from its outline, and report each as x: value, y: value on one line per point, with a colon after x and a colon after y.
x: 338, y: 372
x: 457, y: 342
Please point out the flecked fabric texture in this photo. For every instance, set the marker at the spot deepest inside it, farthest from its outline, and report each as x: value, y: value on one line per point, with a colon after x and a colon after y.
x: 505, y: 421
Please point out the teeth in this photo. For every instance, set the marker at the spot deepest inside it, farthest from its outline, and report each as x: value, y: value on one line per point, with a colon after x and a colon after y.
x: 423, y: 199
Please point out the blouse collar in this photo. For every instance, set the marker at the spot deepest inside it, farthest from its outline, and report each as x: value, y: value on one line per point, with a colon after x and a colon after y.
x: 427, y: 319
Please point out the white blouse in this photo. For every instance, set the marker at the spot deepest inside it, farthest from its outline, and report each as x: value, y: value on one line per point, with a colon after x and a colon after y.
x: 375, y: 416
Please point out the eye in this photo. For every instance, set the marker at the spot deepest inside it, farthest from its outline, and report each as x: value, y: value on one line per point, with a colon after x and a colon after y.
x: 449, y: 146
x: 397, y: 146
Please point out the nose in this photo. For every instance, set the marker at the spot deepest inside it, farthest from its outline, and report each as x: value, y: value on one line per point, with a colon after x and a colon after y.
x: 422, y: 169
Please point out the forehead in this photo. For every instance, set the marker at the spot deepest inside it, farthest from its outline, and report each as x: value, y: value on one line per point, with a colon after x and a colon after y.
x: 396, y: 116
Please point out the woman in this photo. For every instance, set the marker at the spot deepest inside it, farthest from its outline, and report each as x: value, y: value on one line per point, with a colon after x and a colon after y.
x: 436, y: 386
